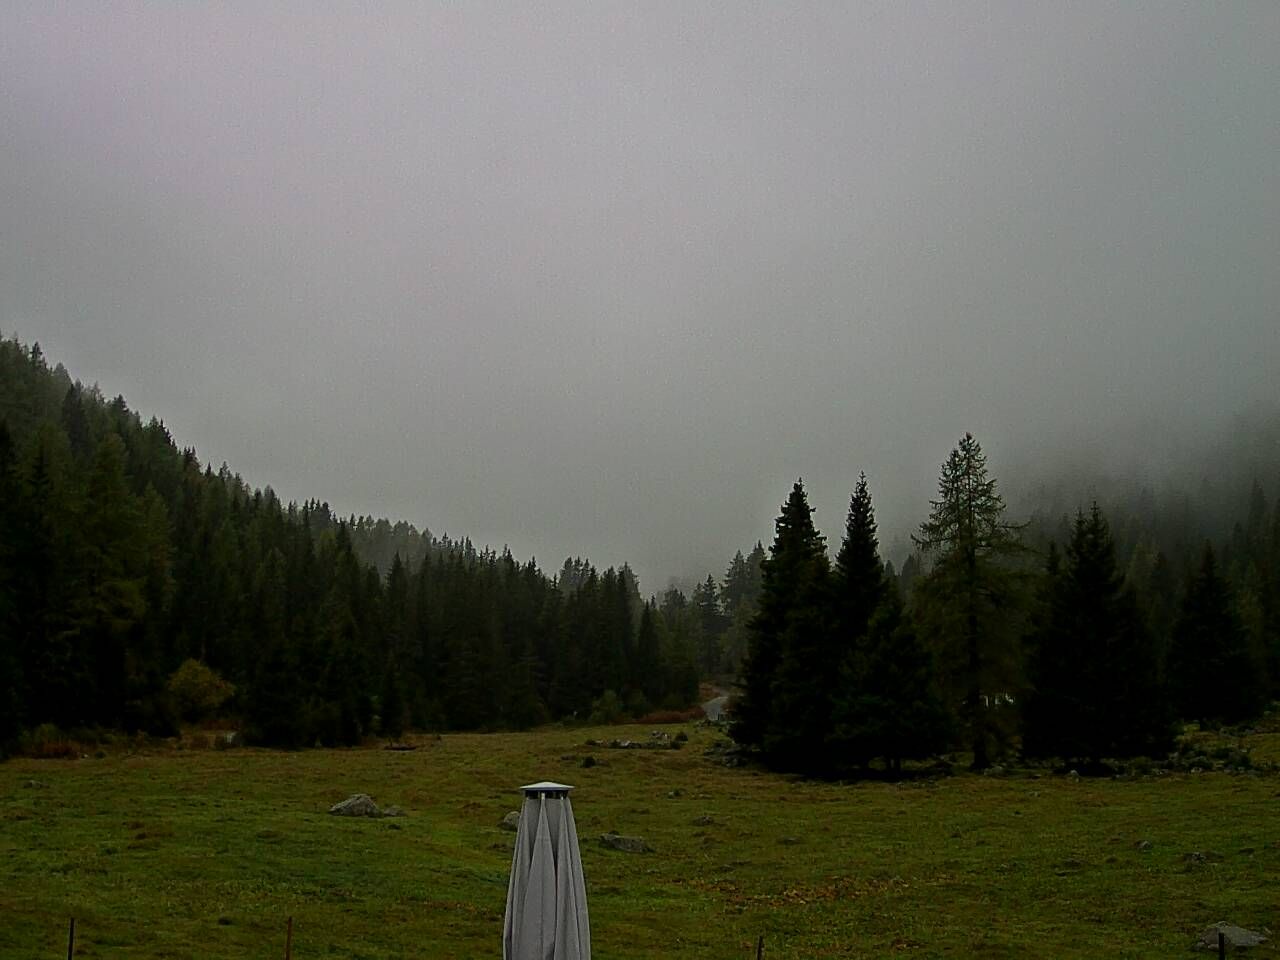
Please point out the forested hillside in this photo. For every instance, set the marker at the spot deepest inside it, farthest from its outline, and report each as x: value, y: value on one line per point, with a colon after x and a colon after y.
x: 140, y: 587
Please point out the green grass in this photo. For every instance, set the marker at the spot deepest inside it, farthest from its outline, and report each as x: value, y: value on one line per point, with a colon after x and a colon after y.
x: 206, y: 853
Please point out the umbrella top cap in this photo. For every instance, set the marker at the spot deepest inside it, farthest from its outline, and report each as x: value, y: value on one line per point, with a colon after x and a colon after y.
x: 546, y: 787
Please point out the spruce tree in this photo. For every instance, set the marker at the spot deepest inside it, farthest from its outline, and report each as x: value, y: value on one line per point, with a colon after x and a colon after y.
x: 741, y: 597
x: 1093, y: 670
x: 47, y: 588
x: 737, y: 584
x: 776, y: 710
x: 112, y: 561
x: 677, y: 642
x: 887, y: 704
x: 859, y: 574
x: 1213, y: 675
x: 648, y: 657
x: 11, y: 681
x: 391, y: 705
x: 275, y: 704
x: 884, y: 702
x: 706, y: 600
x: 968, y: 599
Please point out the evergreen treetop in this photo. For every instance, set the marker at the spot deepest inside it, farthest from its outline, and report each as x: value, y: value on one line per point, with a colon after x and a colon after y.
x: 968, y: 601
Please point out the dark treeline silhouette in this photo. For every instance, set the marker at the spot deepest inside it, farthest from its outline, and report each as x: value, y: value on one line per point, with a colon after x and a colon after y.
x: 139, y: 588
x: 996, y: 640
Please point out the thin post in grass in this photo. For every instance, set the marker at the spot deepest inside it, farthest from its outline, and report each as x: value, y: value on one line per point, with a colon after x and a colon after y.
x: 71, y: 938
x: 760, y: 948
x: 288, y: 940
x: 1222, y: 945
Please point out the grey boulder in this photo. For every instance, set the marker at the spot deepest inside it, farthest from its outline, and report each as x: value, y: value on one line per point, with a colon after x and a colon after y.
x: 359, y: 805
x: 1235, y: 937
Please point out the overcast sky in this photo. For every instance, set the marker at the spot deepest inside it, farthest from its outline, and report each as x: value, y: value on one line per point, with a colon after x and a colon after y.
x: 605, y: 278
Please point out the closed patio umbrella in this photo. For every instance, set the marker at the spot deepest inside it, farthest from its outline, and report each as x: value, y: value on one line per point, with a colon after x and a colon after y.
x: 546, y: 916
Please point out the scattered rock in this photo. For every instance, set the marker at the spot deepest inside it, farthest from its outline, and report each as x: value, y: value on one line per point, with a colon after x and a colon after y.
x: 673, y: 794
x: 1235, y: 937
x: 658, y: 740
x: 1202, y: 856
x: 588, y: 761
x: 511, y: 821
x: 394, y: 826
x: 726, y: 753
x: 788, y: 841
x: 682, y: 737
x: 1073, y: 775
x: 614, y: 841
x: 706, y: 820
x: 393, y: 811
x: 1143, y: 846
x: 359, y: 805
x: 996, y: 771
x: 34, y: 785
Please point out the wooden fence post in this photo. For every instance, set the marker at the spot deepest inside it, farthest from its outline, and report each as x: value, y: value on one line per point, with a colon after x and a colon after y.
x: 760, y: 948
x: 1222, y: 945
x: 71, y: 939
x: 288, y: 940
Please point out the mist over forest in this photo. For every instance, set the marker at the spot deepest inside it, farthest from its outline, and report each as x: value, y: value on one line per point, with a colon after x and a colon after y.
x: 475, y: 357
x: 840, y: 439
x: 140, y: 589
x: 604, y: 283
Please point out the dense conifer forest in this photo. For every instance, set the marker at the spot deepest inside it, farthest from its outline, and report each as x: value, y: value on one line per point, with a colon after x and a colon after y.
x: 141, y: 589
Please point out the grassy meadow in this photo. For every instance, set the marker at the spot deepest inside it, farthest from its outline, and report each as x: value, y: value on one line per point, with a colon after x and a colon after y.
x: 201, y: 853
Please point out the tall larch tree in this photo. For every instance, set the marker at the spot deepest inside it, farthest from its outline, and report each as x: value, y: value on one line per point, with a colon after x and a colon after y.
x: 969, y: 599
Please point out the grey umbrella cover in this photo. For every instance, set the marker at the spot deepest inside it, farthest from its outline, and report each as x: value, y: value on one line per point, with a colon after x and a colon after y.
x: 546, y: 917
